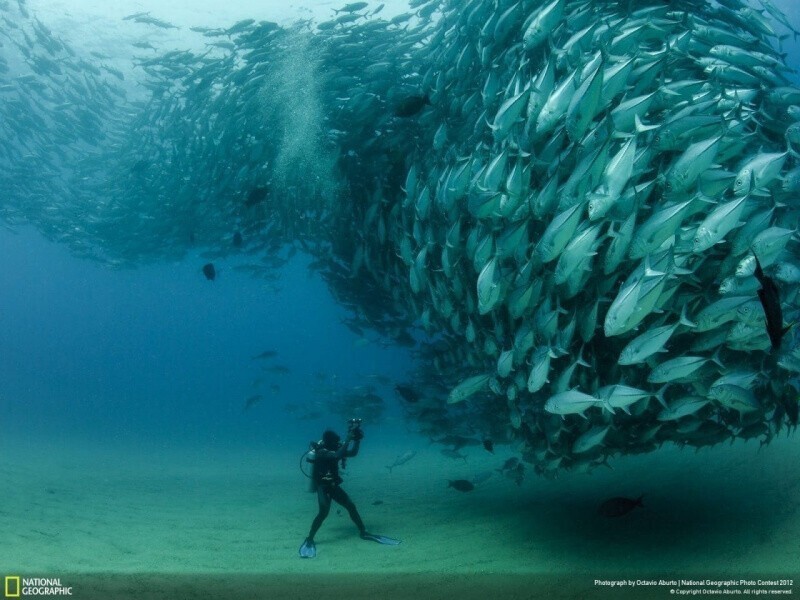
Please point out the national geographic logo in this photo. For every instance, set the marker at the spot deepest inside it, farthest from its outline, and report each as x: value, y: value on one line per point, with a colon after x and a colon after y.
x: 12, y: 587
x: 27, y: 587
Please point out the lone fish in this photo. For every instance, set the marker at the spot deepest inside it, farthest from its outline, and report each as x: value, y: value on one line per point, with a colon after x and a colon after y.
x: 410, y: 106
x: 462, y: 485
x: 407, y: 393
x: 209, y: 271
x: 771, y: 301
x: 401, y: 460
x: 616, y: 507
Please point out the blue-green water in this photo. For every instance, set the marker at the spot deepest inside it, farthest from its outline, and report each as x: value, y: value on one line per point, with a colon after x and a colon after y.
x: 459, y: 200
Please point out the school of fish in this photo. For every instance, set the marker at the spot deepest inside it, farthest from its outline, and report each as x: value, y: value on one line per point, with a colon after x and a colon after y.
x: 583, y: 214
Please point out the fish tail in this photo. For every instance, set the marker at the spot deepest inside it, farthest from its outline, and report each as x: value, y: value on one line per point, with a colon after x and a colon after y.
x: 716, y: 359
x: 759, y: 272
x: 580, y: 360
x: 641, y: 127
x: 684, y: 319
x: 660, y: 396
x: 649, y: 272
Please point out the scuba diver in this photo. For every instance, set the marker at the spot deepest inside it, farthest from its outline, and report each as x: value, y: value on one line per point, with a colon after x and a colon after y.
x: 325, y: 457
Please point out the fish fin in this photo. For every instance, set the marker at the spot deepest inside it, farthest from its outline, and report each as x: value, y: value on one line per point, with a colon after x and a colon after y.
x: 706, y: 199
x: 641, y: 127
x: 759, y: 272
x: 580, y: 360
x: 607, y: 406
x: 659, y: 395
x: 649, y: 272
x: 684, y: 320
x: 716, y: 359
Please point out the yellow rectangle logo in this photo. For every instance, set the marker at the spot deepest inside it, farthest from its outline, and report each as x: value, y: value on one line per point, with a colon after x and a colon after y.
x: 12, y: 591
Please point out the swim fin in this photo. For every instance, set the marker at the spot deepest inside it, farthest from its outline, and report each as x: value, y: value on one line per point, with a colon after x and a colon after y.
x: 381, y: 539
x: 308, y: 549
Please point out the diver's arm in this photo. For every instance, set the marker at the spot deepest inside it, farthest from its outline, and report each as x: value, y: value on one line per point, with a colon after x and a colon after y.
x: 354, y: 450
x: 342, y: 452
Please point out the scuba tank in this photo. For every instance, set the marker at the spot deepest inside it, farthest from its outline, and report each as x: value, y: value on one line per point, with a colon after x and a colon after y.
x: 310, y: 456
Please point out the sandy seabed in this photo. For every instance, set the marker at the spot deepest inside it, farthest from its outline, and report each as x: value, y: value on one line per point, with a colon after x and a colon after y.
x: 169, y: 521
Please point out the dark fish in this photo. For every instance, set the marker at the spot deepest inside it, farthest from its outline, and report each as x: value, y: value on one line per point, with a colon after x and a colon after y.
x: 401, y: 460
x: 410, y: 106
x: 377, y: 503
x: 153, y: 21
x: 252, y: 401
x: 266, y: 354
x: 488, y: 445
x: 209, y: 271
x: 237, y: 240
x: 135, y: 16
x: 616, y: 507
x: 515, y: 473
x: 407, y: 393
x: 453, y: 454
x: 352, y: 7
x: 462, y: 485
x: 256, y: 195
x: 279, y: 369
x: 770, y: 298
x: 457, y: 441
x: 509, y: 464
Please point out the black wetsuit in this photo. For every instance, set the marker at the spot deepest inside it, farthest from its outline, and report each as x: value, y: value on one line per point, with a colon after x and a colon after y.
x: 326, y: 480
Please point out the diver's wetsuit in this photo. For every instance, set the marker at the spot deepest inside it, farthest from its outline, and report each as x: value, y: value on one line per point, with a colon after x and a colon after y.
x: 325, y: 479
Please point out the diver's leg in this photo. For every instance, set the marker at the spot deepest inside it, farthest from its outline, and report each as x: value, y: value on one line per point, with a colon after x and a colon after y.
x: 324, y: 499
x: 342, y: 498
